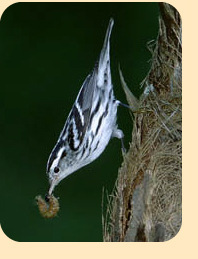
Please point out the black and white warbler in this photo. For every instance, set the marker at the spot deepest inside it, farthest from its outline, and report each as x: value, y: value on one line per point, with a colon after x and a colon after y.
x: 91, y: 122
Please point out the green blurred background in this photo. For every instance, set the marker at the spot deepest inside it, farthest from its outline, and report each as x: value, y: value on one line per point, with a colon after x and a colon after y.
x: 46, y: 51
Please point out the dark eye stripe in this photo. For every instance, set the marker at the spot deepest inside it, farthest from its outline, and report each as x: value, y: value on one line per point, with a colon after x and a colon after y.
x: 53, y: 155
x: 63, y: 154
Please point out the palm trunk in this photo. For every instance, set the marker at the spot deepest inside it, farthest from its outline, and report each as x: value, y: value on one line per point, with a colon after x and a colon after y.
x: 146, y: 203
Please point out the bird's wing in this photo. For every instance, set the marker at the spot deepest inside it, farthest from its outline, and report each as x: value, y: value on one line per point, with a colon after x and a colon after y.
x: 78, y: 119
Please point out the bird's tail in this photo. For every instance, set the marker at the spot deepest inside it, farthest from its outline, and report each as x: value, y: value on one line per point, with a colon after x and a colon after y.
x: 104, y: 55
x: 104, y: 61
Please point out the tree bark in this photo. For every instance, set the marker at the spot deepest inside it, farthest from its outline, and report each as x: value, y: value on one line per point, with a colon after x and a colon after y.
x: 145, y: 205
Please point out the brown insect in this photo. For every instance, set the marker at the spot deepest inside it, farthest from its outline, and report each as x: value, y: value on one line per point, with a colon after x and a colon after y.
x: 48, y: 207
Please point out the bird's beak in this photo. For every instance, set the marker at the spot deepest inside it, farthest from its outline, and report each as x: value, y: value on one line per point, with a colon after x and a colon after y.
x: 53, y: 183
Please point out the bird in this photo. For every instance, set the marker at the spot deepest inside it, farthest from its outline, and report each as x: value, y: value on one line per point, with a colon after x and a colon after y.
x: 91, y: 123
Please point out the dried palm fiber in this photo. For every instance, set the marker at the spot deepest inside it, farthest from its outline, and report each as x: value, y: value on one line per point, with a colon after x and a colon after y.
x: 145, y: 205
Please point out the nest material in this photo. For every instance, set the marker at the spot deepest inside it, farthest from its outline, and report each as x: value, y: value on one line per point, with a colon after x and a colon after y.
x: 146, y: 202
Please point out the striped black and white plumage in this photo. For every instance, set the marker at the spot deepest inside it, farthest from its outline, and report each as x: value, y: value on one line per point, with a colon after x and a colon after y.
x: 90, y: 124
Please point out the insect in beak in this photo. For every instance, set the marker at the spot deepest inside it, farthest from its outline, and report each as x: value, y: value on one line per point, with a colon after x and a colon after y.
x: 48, y: 207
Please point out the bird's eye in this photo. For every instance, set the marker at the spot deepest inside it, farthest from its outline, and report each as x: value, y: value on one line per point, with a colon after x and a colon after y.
x: 56, y: 169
